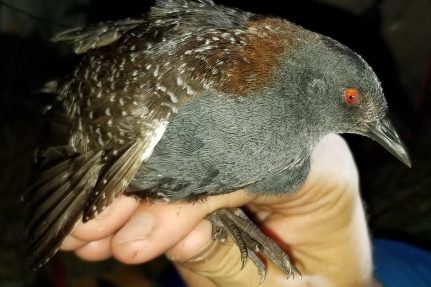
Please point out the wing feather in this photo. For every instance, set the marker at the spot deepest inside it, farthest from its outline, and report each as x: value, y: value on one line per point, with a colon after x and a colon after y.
x: 118, y: 176
x: 97, y: 35
x: 56, y: 201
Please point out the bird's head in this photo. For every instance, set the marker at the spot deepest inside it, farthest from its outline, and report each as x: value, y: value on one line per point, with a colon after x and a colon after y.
x: 344, y: 95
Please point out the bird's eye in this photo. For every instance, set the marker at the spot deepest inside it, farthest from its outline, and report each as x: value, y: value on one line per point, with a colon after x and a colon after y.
x: 352, y: 97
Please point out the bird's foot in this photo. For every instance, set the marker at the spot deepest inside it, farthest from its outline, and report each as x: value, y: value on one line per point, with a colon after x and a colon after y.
x: 250, y: 240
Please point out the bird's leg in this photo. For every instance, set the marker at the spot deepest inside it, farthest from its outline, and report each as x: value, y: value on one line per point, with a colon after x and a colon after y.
x: 249, y: 239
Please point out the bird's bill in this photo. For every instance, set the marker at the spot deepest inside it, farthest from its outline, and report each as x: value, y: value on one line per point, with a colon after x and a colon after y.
x: 384, y: 133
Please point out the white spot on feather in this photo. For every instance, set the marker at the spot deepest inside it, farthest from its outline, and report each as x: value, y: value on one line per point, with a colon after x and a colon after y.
x: 161, y: 88
x: 160, y: 127
x: 172, y: 97
x: 156, y: 71
x: 180, y: 81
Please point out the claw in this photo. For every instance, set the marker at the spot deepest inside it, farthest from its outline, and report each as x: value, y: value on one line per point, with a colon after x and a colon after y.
x: 261, y: 268
x: 250, y: 240
x: 244, y: 258
x: 237, y: 235
x: 219, y: 234
x: 295, y: 270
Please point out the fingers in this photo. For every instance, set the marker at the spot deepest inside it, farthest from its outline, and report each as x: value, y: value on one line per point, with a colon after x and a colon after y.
x: 107, y: 222
x: 155, y: 228
x: 195, y: 245
x: 136, y: 232
x: 70, y: 243
x: 96, y: 250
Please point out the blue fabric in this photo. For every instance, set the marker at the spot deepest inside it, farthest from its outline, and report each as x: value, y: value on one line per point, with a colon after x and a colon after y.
x: 401, y: 265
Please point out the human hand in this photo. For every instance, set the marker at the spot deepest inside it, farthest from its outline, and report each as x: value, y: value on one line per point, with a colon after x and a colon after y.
x: 322, y: 226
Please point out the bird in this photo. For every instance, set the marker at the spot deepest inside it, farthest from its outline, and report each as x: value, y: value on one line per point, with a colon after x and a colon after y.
x: 191, y: 100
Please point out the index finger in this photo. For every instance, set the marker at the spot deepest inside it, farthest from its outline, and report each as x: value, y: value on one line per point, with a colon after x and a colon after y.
x: 106, y: 223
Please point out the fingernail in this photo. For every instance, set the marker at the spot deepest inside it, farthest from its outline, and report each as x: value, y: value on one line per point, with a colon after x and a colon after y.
x: 137, y: 229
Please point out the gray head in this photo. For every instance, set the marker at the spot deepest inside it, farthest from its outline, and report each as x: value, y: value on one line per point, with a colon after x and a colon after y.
x: 343, y: 94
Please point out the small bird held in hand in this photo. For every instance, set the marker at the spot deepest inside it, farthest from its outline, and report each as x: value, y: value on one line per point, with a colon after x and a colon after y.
x: 193, y: 100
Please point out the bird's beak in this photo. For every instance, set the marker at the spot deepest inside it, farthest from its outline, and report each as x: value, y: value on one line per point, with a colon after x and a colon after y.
x: 384, y: 133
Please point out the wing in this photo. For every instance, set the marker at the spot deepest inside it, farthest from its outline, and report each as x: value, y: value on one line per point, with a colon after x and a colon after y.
x: 72, y: 184
x: 105, y: 125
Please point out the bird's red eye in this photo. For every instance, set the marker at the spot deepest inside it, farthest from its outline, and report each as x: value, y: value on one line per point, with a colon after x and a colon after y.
x: 352, y: 97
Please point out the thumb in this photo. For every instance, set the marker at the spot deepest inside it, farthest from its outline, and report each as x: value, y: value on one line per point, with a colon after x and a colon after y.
x: 202, y: 261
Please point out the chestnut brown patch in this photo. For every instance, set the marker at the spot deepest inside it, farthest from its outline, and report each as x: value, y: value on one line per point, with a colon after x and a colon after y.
x: 250, y: 67
x: 237, y: 61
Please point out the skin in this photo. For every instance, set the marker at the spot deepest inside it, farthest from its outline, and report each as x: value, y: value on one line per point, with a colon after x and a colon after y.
x: 322, y: 225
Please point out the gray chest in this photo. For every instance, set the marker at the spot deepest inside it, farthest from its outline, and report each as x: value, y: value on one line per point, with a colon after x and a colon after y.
x: 219, y: 143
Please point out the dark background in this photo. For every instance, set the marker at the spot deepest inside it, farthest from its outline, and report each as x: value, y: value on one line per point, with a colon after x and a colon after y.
x: 394, y: 36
